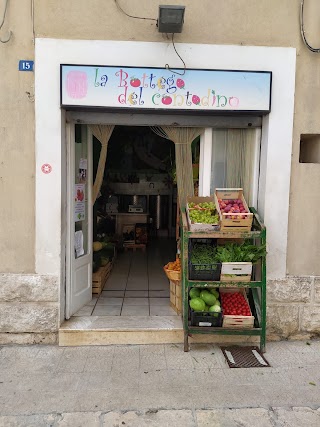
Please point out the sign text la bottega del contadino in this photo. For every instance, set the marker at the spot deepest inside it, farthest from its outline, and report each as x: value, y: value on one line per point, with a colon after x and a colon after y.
x: 157, y: 88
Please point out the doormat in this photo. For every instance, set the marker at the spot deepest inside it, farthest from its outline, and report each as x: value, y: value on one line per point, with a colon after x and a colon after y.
x: 244, y: 357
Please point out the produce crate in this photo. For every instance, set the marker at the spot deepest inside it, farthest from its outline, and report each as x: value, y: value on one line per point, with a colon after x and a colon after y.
x: 176, y: 295
x: 100, y: 277
x: 199, y: 226
x: 236, y: 272
x: 172, y: 274
x: 205, y: 272
x: 205, y: 318
x: 234, y: 321
x: 200, y: 271
x: 236, y: 224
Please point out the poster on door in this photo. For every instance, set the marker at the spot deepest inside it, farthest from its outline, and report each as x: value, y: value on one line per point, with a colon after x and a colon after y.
x: 82, y: 174
x: 79, y: 203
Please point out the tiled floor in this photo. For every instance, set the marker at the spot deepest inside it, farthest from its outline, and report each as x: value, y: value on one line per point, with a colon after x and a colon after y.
x: 137, y: 285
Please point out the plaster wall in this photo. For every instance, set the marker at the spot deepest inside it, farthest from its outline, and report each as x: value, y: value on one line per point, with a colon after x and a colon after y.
x: 238, y: 22
x: 17, y: 166
x: 232, y: 22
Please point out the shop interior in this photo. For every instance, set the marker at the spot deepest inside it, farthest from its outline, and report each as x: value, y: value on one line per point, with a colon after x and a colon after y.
x: 135, y: 221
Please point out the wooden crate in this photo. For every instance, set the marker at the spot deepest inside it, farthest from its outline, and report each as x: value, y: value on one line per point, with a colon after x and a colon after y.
x: 176, y: 296
x: 100, y: 277
x: 134, y: 246
x: 233, y: 321
x: 236, y: 272
x: 199, y: 226
x: 240, y: 223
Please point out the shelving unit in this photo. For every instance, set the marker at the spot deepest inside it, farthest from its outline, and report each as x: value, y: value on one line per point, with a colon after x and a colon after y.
x: 257, y: 286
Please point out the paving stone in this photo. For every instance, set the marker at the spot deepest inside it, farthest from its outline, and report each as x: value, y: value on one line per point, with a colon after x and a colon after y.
x: 45, y: 379
x: 125, y: 398
x: 28, y: 421
x: 39, y: 402
x: 99, y: 359
x: 256, y: 417
x: 297, y: 417
x: 177, y: 358
x: 126, y: 356
x: 80, y: 419
x: 73, y: 360
x: 182, y: 418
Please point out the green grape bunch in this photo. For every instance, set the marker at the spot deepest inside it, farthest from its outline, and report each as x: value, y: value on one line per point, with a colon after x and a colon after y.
x: 203, y: 213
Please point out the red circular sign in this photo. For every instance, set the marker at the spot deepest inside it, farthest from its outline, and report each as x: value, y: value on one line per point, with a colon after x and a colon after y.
x: 46, y: 168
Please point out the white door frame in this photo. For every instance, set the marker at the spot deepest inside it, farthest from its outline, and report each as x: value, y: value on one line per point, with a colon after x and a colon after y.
x: 276, y: 141
x: 75, y: 299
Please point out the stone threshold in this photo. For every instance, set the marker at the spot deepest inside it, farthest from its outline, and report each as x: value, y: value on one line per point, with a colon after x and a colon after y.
x: 122, y: 330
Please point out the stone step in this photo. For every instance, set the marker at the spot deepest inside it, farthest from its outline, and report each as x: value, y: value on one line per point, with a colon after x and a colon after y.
x: 108, y: 330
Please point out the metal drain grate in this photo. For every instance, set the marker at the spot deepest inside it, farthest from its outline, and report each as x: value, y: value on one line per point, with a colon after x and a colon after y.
x: 244, y: 357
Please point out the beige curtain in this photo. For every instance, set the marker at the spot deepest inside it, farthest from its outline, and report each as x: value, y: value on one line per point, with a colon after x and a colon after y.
x: 102, y: 133
x: 240, y: 151
x: 182, y: 138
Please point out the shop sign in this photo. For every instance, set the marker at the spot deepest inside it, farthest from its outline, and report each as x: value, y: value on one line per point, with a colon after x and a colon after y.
x: 162, y: 89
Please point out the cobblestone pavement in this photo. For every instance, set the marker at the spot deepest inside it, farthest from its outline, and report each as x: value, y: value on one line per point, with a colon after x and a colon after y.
x: 158, y: 385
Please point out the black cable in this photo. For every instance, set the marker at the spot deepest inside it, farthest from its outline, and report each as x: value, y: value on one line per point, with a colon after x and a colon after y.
x: 4, y: 14
x: 152, y: 19
x: 131, y: 16
x: 315, y: 50
x: 184, y: 64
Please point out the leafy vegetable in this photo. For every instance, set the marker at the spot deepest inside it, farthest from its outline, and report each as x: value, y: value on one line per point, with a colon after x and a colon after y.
x: 203, y: 256
x: 245, y: 252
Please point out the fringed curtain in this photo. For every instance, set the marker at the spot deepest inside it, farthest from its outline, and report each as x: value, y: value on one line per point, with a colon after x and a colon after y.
x: 234, y: 159
x: 240, y: 160
x: 182, y: 138
x: 103, y: 134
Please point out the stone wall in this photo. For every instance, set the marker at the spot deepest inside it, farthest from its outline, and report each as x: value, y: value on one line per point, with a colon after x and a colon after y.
x: 293, y: 308
x: 29, y: 309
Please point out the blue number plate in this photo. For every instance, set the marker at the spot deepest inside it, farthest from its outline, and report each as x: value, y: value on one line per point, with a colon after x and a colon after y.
x: 26, y: 65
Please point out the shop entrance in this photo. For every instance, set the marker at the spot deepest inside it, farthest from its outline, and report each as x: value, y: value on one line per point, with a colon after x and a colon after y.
x: 132, y: 224
x: 130, y: 231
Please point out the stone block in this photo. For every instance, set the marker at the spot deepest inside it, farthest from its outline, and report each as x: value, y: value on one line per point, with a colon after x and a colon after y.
x: 317, y: 289
x: 282, y: 320
x: 310, y: 318
x: 28, y: 338
x: 90, y: 419
x: 244, y: 417
x: 29, y: 317
x: 28, y: 420
x: 151, y: 418
x: 290, y: 289
x: 28, y: 287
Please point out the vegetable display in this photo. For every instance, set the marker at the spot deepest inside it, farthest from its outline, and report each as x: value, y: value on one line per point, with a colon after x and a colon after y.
x: 245, y: 252
x: 203, y: 213
x: 203, y: 256
x: 230, y: 252
x: 233, y: 207
x: 235, y: 304
x: 205, y: 300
